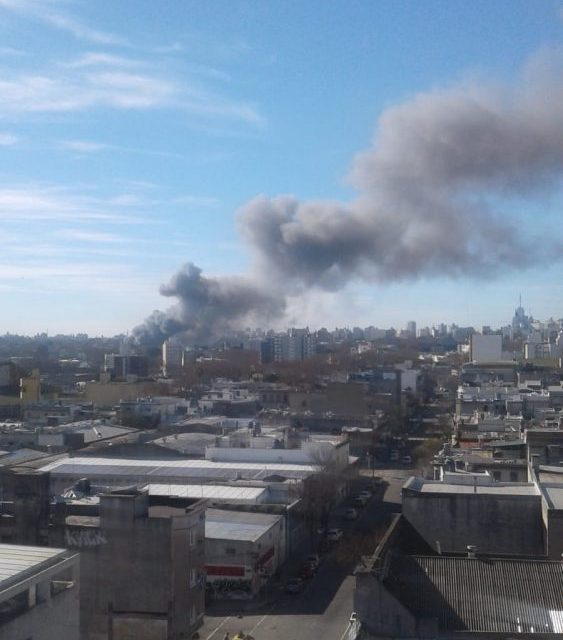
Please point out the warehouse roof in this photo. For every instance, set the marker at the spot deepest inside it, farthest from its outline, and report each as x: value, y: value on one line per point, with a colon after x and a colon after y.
x: 209, y: 492
x: 18, y: 562
x: 486, y: 595
x: 238, y: 525
x: 105, y: 467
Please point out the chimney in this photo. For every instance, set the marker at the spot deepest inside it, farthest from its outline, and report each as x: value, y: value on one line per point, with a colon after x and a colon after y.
x: 471, y: 551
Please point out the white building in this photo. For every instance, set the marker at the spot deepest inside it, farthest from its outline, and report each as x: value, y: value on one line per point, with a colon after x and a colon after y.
x: 242, y: 551
x: 172, y: 357
x: 485, y: 348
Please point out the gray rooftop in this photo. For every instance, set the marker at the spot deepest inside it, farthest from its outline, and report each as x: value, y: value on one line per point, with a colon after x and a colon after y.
x: 554, y: 496
x: 18, y: 562
x: 481, y: 595
x: 209, y: 492
x: 169, y: 471
x: 496, y: 488
x: 237, y: 525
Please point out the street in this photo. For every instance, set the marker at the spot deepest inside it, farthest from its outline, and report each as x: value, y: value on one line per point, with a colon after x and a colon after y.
x: 323, y: 608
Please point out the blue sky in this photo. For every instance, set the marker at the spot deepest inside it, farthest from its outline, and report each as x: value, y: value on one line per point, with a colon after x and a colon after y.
x: 131, y: 133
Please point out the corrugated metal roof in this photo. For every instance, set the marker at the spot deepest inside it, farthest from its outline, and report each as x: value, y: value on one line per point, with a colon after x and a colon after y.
x: 486, y: 595
x: 18, y: 561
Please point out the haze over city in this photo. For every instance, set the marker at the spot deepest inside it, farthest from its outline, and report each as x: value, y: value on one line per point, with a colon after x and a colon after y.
x: 352, y: 164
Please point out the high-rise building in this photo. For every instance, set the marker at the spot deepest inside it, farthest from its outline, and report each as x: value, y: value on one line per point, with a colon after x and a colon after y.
x: 411, y: 328
x: 172, y: 357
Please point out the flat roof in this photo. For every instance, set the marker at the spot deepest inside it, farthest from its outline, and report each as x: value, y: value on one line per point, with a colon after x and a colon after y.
x: 437, y: 487
x: 84, y: 462
x: 161, y: 469
x: 18, y: 561
x: 237, y: 525
x: 208, y: 491
x: 554, y: 496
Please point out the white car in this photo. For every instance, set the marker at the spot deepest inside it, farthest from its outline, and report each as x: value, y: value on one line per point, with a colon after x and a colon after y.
x: 334, y: 535
x: 365, y: 494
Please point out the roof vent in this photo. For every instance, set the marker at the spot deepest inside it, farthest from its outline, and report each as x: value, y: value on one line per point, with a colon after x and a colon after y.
x: 471, y: 551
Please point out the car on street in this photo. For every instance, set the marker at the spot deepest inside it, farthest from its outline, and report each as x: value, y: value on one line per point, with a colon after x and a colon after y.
x: 406, y: 460
x: 334, y: 535
x: 360, y: 501
x: 294, y: 585
x: 351, y: 514
x: 314, y: 559
x: 365, y: 494
x: 308, y: 571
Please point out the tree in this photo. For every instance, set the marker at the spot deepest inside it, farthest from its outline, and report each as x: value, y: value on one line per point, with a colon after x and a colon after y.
x: 424, y: 453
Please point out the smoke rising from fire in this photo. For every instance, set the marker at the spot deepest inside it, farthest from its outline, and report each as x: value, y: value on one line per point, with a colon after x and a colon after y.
x: 428, y: 193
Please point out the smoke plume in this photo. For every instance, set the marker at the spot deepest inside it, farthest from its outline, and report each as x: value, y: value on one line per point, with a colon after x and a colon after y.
x: 207, y: 308
x: 428, y: 194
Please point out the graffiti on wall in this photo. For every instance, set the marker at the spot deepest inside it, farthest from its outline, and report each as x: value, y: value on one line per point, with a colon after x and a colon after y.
x: 83, y: 538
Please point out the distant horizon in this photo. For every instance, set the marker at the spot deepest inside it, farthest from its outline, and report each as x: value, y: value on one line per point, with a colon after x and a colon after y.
x: 239, y: 163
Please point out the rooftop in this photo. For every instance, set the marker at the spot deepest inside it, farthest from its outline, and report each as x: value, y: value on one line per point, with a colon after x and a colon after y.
x: 84, y: 467
x: 208, y: 491
x: 554, y: 496
x: 237, y: 525
x: 18, y: 562
x: 496, y: 488
x: 486, y: 595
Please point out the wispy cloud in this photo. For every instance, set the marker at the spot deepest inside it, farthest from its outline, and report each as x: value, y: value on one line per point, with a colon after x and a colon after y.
x: 11, y: 51
x: 97, y: 59
x: 80, y: 30
x: 91, y: 236
x: 8, y: 139
x: 48, y: 13
x: 36, y: 203
x: 81, y: 89
x: 84, y: 146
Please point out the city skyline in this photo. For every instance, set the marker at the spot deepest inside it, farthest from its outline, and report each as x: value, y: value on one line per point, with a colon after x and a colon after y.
x: 129, y: 151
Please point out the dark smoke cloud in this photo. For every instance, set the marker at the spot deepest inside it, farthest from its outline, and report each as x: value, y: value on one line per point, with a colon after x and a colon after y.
x: 428, y: 193
x: 207, y: 307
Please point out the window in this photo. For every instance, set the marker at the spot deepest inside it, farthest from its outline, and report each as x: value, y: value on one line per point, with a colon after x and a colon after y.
x: 514, y: 476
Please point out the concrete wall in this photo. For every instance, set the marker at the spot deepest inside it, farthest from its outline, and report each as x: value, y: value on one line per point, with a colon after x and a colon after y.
x: 380, y: 613
x: 140, y: 561
x: 497, y: 524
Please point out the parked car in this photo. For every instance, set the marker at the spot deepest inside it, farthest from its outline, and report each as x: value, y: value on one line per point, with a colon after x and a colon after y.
x: 334, y: 535
x: 294, y: 585
x: 360, y: 501
x: 406, y: 460
x: 308, y: 571
x: 351, y: 514
x: 314, y: 559
x: 365, y: 494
